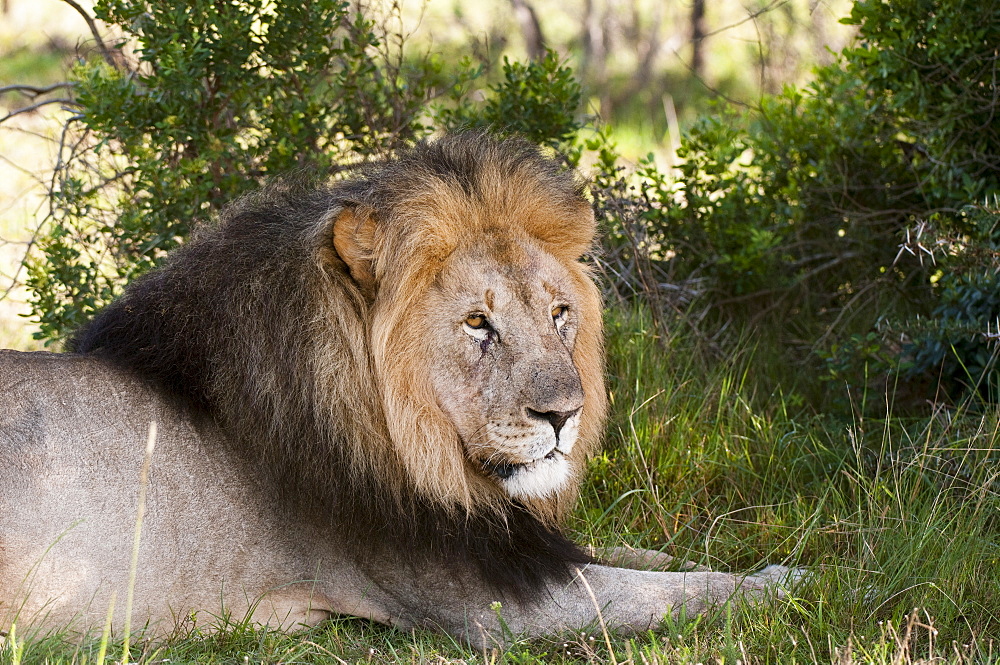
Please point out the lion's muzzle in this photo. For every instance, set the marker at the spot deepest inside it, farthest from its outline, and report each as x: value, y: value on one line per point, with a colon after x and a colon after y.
x: 555, y: 418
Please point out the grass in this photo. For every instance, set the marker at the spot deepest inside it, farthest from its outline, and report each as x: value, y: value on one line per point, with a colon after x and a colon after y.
x: 895, y: 519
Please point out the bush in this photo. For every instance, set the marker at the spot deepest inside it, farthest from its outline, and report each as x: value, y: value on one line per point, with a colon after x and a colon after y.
x: 951, y: 349
x: 785, y: 216
x: 789, y: 203
x: 218, y: 97
x: 933, y: 67
x: 215, y: 100
x: 795, y: 215
x: 538, y: 100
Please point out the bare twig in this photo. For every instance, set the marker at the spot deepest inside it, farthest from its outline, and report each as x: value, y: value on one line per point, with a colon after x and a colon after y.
x: 750, y: 17
x: 696, y: 75
x: 705, y: 84
x: 34, y: 107
x: 106, y: 53
x: 33, y: 91
x: 50, y: 185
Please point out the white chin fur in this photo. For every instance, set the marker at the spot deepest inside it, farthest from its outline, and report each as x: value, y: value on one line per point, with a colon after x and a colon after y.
x: 542, y: 478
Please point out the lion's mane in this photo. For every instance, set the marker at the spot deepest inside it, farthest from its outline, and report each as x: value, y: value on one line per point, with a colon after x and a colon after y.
x: 258, y: 324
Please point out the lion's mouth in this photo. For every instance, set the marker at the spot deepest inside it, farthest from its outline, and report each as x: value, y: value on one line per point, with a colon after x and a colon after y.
x: 505, y: 470
x: 502, y: 470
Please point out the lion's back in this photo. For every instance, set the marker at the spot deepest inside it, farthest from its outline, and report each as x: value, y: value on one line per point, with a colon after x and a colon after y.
x: 73, y: 436
x: 68, y: 418
x: 42, y: 394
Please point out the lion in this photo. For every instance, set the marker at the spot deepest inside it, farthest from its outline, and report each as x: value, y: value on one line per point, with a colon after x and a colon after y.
x: 374, y: 398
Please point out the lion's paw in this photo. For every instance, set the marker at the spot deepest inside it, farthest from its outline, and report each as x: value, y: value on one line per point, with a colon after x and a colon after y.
x: 776, y: 577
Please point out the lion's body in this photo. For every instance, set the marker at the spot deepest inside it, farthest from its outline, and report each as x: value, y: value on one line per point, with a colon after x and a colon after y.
x: 375, y: 398
x: 74, y: 436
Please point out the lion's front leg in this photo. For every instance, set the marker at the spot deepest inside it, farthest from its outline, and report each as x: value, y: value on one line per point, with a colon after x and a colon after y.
x: 626, y: 600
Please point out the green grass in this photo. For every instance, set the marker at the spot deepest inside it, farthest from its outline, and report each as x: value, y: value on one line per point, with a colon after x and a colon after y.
x: 889, y: 515
x: 896, y: 520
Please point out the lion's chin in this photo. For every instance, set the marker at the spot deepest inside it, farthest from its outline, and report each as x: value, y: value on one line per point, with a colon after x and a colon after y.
x: 537, y: 480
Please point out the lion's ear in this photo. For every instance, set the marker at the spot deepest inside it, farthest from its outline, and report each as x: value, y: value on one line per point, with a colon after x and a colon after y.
x: 568, y: 233
x: 354, y: 240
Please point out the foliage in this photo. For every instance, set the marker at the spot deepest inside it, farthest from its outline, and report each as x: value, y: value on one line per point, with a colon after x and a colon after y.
x: 931, y: 67
x: 784, y: 218
x: 953, y: 348
x: 216, y: 100
x: 795, y: 215
x: 538, y: 100
x: 792, y: 197
x: 222, y: 95
x: 934, y: 68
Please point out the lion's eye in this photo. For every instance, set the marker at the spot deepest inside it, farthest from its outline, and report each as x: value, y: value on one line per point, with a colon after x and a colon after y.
x: 476, y: 321
x: 559, y: 314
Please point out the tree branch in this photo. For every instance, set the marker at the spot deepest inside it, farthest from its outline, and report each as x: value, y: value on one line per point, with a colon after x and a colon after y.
x: 531, y: 29
x: 108, y: 55
x: 34, y: 91
x: 750, y: 17
x: 34, y: 107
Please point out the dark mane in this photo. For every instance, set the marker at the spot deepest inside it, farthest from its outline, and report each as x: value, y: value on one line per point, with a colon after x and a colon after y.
x: 235, y: 324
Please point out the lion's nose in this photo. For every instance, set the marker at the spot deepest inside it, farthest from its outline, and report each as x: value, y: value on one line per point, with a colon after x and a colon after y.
x: 556, y: 418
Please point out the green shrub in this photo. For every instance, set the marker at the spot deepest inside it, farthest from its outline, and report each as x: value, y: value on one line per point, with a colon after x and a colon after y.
x: 796, y: 198
x: 538, y: 100
x: 797, y: 215
x: 951, y: 348
x: 787, y: 214
x: 216, y: 100
x: 933, y: 66
x: 218, y: 97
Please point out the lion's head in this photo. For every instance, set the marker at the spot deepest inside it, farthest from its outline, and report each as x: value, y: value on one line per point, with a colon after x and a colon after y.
x: 485, y: 328
x: 419, y: 345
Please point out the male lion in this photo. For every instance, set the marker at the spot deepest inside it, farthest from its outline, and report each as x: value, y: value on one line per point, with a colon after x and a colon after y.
x: 373, y: 398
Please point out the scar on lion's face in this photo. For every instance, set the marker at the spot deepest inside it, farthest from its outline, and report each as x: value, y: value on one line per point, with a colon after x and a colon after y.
x: 514, y: 394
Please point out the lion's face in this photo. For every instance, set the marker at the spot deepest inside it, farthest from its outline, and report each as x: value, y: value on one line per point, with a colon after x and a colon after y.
x: 504, y: 317
x: 483, y: 325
